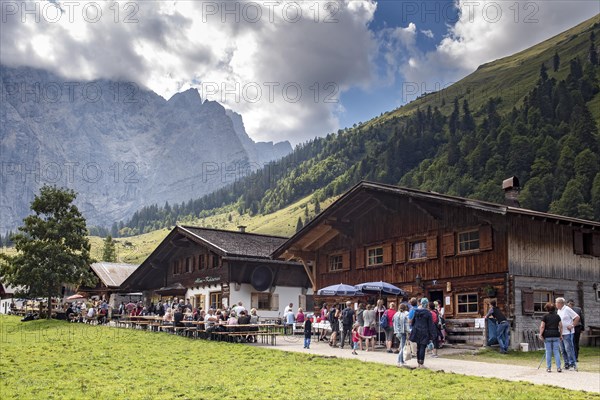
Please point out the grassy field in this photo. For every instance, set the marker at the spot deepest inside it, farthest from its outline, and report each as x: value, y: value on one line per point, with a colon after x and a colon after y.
x: 589, y: 358
x: 57, y: 360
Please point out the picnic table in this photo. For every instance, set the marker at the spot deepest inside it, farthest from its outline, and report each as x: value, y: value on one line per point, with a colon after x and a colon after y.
x: 266, y: 332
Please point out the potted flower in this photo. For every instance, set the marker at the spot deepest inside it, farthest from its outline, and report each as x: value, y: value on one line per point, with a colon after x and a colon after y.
x: 490, y: 291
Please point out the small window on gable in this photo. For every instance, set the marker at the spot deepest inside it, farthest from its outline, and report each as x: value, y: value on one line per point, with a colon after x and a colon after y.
x: 336, y: 262
x: 468, y: 241
x: 418, y: 250
x: 201, y: 261
x: 188, y: 265
x: 374, y: 256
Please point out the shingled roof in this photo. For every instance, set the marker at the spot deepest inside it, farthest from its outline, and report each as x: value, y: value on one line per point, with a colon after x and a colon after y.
x: 113, y: 274
x: 236, y: 244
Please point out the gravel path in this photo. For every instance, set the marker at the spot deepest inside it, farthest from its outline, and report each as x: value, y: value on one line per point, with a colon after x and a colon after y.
x: 587, y: 381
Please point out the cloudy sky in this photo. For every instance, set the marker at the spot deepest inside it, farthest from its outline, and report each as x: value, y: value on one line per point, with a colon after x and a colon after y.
x: 294, y: 70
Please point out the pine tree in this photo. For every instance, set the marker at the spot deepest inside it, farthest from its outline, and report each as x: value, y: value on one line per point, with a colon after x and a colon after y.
x: 556, y: 61
x: 593, y: 54
x: 543, y: 73
x: 109, y: 252
x: 52, y: 248
x: 317, y: 206
x: 596, y: 197
x: 299, y: 224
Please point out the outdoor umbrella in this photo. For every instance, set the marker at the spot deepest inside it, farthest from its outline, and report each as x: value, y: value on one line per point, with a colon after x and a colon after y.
x: 339, y: 290
x: 380, y: 287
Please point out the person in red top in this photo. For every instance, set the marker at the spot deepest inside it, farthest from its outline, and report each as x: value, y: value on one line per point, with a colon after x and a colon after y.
x: 389, y: 331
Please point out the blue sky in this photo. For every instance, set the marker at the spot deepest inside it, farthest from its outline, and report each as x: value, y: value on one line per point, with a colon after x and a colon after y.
x: 277, y: 64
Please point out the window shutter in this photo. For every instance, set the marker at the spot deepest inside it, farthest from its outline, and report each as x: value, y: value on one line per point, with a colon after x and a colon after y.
x: 400, y: 251
x: 346, y: 260
x: 448, y: 244
x: 527, y: 300
x: 254, y: 300
x: 432, y: 246
x: 274, y: 302
x: 485, y: 237
x: 302, y: 302
x: 387, y: 254
x: 578, y: 242
x: 360, y: 257
x: 596, y: 245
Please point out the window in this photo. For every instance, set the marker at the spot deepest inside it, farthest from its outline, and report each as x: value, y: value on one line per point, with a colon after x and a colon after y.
x: 468, y: 241
x: 215, y: 300
x: 176, y: 270
x: 215, y: 261
x: 467, y: 303
x: 336, y: 263
x: 597, y: 291
x: 265, y: 301
x: 418, y: 250
x: 375, y: 256
x: 188, y: 265
x: 540, y: 299
x: 588, y: 244
x: 201, y: 261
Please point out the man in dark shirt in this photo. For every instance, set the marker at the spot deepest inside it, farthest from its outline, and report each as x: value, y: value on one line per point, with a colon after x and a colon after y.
x: 578, y: 328
x: 502, y: 330
x: 178, y: 317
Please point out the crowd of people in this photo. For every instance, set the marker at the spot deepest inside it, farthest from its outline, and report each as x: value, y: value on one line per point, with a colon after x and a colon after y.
x: 421, y: 323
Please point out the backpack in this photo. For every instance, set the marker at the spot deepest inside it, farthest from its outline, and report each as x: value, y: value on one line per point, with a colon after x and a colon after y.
x: 383, y: 321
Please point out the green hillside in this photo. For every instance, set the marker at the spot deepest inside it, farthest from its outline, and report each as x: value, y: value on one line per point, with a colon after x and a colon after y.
x: 462, y: 141
x: 511, y: 77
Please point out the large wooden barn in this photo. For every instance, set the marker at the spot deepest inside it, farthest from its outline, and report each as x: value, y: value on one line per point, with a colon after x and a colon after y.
x: 217, y: 268
x: 458, y: 251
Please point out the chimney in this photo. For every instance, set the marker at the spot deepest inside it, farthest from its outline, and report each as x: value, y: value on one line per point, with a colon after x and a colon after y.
x: 511, y: 189
x: 242, y: 228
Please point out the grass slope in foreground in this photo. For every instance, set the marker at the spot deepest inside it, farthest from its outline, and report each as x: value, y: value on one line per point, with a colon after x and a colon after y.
x: 57, y: 360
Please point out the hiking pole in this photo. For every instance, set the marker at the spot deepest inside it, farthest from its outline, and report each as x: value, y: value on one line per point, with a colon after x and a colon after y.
x: 542, y: 360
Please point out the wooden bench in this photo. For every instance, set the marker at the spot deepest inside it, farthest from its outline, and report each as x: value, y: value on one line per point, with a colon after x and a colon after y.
x: 593, y: 335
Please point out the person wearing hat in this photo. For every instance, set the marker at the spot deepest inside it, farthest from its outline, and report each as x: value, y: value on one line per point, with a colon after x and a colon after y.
x: 423, y: 331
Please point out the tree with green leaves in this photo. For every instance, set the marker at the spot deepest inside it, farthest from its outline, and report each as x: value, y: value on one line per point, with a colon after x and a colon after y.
x: 52, y: 247
x: 109, y: 252
x: 556, y: 61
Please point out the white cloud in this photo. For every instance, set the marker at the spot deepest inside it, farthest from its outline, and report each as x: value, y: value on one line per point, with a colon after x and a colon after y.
x: 488, y: 30
x: 427, y: 33
x: 323, y: 48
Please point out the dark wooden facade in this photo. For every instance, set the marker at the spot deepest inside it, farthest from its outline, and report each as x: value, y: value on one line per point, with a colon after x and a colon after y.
x: 463, y: 252
x: 207, y: 266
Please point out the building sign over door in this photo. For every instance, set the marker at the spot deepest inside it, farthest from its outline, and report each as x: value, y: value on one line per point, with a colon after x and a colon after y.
x: 208, y: 279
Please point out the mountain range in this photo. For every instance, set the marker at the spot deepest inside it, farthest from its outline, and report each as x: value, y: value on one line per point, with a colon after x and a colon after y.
x: 119, y: 146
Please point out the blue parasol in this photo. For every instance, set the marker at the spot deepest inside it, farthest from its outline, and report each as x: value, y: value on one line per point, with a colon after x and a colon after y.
x: 339, y: 290
x: 380, y: 287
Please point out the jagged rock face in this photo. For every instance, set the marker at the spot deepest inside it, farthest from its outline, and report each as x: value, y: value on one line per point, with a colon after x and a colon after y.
x: 119, y: 146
